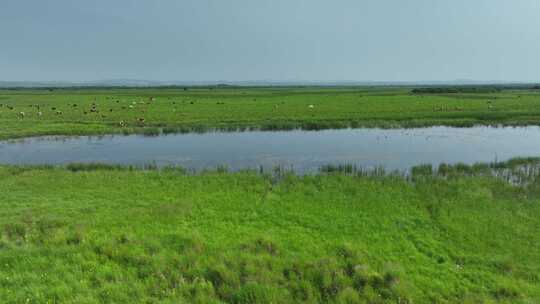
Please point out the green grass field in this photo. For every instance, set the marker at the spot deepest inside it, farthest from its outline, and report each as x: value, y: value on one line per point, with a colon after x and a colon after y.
x: 132, y: 236
x: 71, y: 111
x: 105, y: 234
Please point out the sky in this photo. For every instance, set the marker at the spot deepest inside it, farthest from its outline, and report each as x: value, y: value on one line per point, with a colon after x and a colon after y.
x: 280, y: 40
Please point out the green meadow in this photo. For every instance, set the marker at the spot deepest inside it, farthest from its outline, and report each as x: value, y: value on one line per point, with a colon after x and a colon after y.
x: 98, y: 233
x: 25, y: 112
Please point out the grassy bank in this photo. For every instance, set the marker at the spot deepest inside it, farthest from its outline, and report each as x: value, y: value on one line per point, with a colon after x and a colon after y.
x: 93, y: 111
x: 108, y: 234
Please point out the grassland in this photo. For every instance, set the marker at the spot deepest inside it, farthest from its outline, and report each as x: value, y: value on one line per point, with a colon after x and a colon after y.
x: 99, y: 234
x: 95, y: 111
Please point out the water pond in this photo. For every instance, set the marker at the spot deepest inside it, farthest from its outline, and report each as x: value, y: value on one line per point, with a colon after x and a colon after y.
x: 303, y: 151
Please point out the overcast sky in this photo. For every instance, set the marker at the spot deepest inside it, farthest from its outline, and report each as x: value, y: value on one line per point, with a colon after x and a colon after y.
x: 386, y: 40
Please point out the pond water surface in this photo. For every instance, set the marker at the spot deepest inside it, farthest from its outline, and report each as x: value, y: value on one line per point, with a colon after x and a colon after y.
x: 303, y: 151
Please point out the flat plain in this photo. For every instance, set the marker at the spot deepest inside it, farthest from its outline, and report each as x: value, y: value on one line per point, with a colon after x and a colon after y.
x: 98, y: 233
x: 25, y: 112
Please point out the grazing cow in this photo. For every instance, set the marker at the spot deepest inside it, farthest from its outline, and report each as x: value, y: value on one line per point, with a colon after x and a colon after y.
x: 311, y: 106
x: 21, y: 114
x: 39, y: 113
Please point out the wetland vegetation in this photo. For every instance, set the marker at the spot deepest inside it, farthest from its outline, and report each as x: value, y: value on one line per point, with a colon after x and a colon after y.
x: 107, y: 233
x: 27, y: 112
x: 97, y: 233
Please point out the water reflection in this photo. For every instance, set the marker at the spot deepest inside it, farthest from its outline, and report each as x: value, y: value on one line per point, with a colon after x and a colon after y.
x: 305, y: 151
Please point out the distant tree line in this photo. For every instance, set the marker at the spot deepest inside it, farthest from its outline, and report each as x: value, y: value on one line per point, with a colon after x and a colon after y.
x: 449, y: 90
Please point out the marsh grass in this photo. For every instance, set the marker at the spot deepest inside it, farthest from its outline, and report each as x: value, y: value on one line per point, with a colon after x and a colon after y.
x: 76, y: 167
x: 94, y: 234
x: 151, y: 131
x: 517, y: 171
